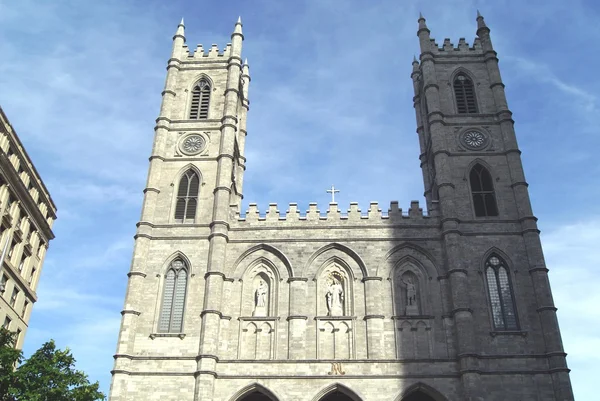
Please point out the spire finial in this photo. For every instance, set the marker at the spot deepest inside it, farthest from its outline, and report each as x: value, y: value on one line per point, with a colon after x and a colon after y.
x: 181, y: 23
x: 246, y: 61
x: 180, y: 33
x: 480, y: 22
x: 422, y: 24
x: 415, y: 59
x: 238, y: 27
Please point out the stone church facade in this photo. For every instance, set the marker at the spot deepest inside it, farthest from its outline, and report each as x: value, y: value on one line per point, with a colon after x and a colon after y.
x: 404, y: 305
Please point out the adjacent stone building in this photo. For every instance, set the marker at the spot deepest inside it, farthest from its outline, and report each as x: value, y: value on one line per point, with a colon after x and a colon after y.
x: 450, y: 304
x: 27, y: 213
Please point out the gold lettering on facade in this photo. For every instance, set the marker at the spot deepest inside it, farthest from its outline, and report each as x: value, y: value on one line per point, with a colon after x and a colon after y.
x: 336, y: 369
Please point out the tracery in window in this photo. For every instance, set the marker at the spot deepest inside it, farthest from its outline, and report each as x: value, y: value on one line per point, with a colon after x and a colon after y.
x: 187, y: 197
x: 482, y: 190
x: 173, y: 304
x: 200, y: 100
x: 501, y: 294
x: 464, y: 92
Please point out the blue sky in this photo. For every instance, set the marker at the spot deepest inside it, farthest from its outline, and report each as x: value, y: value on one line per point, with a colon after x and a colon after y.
x: 81, y: 81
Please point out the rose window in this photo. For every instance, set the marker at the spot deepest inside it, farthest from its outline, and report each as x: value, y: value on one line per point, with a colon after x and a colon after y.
x: 193, y: 144
x: 474, y: 139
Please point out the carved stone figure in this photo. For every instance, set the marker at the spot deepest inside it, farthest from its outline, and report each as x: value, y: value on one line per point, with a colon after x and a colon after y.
x: 411, y: 296
x: 260, y: 299
x: 335, y: 298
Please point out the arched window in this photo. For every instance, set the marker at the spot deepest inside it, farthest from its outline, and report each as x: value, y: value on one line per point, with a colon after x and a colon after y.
x: 171, y: 314
x: 482, y: 190
x: 501, y: 295
x: 200, y: 100
x: 187, y: 197
x: 464, y: 91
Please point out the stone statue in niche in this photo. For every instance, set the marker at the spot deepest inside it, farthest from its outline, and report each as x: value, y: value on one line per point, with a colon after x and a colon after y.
x: 335, y: 297
x: 260, y: 299
x: 412, y: 308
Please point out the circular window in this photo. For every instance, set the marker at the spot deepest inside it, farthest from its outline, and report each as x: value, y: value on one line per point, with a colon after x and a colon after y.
x: 474, y: 139
x: 192, y: 144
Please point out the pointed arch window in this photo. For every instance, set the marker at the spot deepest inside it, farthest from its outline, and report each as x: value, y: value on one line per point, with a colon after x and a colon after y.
x: 173, y: 304
x: 187, y: 197
x: 464, y: 92
x: 501, y: 294
x: 200, y: 100
x: 482, y: 190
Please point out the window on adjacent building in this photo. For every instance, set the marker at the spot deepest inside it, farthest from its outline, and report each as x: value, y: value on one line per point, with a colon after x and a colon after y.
x: 187, y: 197
x: 13, y: 297
x: 173, y: 303
x: 7, y: 322
x: 464, y: 92
x: 32, y: 275
x: 200, y: 100
x: 17, y: 338
x: 501, y: 294
x: 21, y: 264
x: 24, y: 310
x: 3, y: 282
x: 11, y: 251
x: 482, y: 190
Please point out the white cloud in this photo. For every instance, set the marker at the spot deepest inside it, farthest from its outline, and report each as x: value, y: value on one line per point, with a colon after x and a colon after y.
x: 572, y: 254
x: 330, y: 103
x: 543, y: 72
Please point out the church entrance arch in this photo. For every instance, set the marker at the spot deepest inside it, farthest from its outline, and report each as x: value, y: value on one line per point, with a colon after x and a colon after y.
x: 256, y: 396
x: 418, y: 396
x: 337, y: 396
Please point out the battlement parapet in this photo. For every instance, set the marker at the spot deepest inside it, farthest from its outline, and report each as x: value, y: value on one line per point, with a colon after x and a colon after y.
x: 212, y: 53
x: 448, y: 48
x: 333, y: 214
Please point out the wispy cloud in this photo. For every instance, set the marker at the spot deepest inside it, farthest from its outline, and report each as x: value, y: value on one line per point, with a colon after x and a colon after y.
x: 572, y: 253
x: 331, y: 102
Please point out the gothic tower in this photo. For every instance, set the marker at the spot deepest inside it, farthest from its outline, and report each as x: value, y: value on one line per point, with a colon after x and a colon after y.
x: 449, y: 305
x: 475, y: 185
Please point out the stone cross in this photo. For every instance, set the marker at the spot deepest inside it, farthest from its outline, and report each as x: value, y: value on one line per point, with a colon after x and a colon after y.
x: 332, y: 191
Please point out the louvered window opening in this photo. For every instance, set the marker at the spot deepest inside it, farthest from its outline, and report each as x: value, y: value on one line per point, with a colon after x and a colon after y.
x: 171, y: 316
x: 482, y: 190
x: 187, y: 197
x: 501, y: 295
x: 200, y: 101
x: 464, y: 91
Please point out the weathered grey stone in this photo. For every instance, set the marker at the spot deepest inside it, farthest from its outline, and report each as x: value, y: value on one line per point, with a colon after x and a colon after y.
x: 378, y: 344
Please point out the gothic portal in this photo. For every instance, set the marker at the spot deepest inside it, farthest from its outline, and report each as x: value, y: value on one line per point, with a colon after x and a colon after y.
x: 445, y: 305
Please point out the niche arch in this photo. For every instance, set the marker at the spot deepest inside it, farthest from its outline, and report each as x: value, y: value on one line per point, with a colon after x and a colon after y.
x: 269, y: 252
x: 260, y: 262
x: 408, y: 272
x: 334, y: 283
x: 260, y: 285
x: 351, y: 258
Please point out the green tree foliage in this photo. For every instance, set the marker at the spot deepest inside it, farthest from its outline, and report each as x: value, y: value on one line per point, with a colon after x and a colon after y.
x: 48, y: 375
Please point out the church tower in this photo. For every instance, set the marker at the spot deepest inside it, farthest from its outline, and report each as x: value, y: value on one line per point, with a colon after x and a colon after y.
x: 404, y: 305
x: 475, y: 185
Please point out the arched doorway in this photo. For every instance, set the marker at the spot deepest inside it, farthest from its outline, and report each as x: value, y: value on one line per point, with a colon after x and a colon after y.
x: 255, y: 396
x: 418, y: 396
x: 336, y: 396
